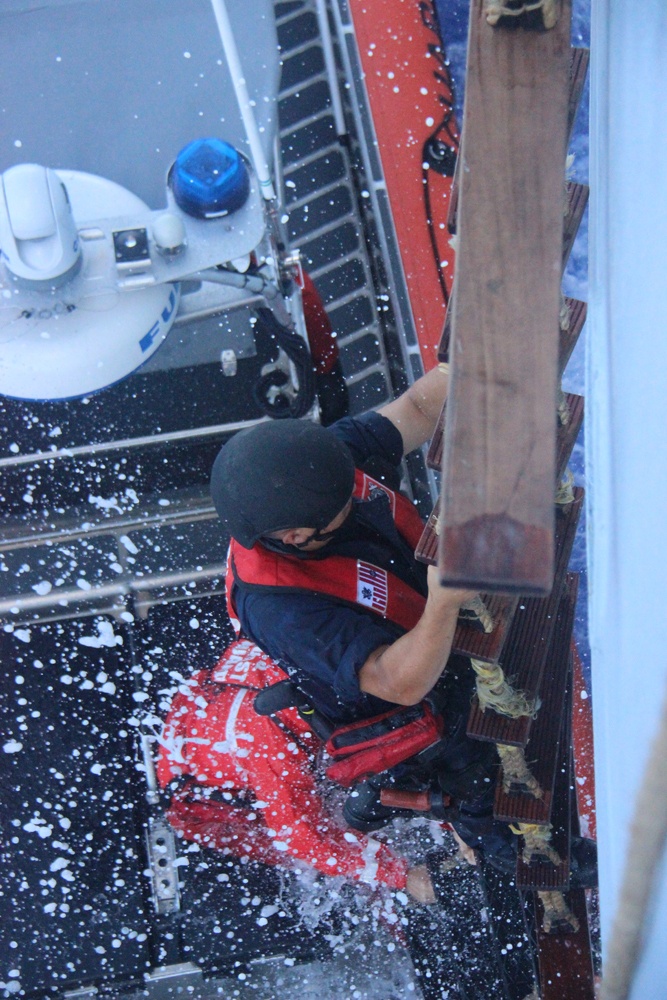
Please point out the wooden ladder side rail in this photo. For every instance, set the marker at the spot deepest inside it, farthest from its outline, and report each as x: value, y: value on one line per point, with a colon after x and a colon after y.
x: 469, y: 641
x: 579, y: 61
x: 498, y: 469
x: 542, y: 748
x: 576, y: 200
x: 544, y: 874
x: 528, y: 641
x: 564, y: 960
x: 567, y: 340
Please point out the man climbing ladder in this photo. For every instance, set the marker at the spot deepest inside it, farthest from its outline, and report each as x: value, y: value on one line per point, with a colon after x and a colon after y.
x: 323, y: 578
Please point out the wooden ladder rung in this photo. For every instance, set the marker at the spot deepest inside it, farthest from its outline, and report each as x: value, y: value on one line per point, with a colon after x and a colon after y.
x: 577, y: 199
x: 544, y: 875
x: 564, y: 960
x: 542, y: 747
x: 579, y: 61
x: 568, y: 338
x: 528, y: 640
x: 469, y: 640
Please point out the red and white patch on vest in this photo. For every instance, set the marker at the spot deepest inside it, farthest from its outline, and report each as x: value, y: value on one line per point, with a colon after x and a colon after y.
x: 370, y: 484
x: 372, y: 589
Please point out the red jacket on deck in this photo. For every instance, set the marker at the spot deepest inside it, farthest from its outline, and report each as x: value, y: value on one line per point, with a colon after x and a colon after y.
x: 266, y: 804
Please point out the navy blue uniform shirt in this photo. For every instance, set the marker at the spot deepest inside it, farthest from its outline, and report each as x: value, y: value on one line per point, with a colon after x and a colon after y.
x: 322, y: 644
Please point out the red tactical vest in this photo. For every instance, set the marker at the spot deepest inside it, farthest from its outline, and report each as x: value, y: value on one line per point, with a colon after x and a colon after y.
x: 351, y: 580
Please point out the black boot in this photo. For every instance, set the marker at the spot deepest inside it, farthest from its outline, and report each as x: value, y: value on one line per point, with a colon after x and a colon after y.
x: 363, y: 810
x: 583, y: 863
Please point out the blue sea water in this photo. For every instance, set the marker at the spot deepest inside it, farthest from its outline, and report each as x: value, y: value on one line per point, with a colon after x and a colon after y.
x: 453, y: 15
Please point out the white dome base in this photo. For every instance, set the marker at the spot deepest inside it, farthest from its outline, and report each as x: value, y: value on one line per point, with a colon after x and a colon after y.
x: 89, y: 333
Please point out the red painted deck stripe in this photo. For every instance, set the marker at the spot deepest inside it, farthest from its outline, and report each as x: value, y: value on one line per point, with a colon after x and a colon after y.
x: 582, y: 738
x: 393, y: 43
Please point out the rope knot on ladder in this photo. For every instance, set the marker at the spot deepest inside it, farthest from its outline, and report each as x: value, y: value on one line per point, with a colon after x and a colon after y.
x: 558, y: 917
x: 495, y: 9
x: 475, y: 612
x: 517, y: 776
x: 537, y: 844
x: 565, y: 489
x: 496, y: 693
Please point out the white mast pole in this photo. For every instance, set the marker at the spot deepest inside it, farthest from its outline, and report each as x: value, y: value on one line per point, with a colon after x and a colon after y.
x: 243, y: 98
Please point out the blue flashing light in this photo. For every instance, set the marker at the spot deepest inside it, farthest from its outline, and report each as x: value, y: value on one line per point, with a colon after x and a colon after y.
x: 209, y: 178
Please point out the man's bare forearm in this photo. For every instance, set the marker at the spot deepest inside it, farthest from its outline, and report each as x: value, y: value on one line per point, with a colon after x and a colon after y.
x: 405, y: 671
x: 416, y: 412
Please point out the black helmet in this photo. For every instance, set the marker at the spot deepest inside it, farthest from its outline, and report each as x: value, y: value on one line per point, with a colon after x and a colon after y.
x: 281, y: 474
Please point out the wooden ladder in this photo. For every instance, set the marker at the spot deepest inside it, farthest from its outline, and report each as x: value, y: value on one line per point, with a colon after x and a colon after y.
x: 500, y: 445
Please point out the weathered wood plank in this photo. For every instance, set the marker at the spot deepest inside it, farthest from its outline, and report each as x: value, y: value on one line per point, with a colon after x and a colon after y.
x: 564, y: 960
x: 564, y: 445
x: 579, y: 61
x: 542, y: 747
x: 528, y: 642
x: 499, y: 464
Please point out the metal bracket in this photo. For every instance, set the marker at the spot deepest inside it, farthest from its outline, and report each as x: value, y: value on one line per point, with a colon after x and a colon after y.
x: 161, y: 849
